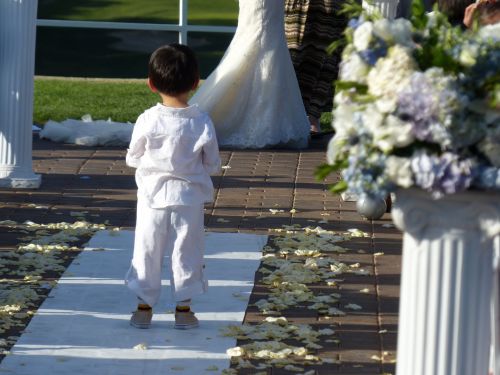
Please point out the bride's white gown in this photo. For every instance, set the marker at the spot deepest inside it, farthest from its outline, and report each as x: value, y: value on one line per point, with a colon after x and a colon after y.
x: 253, y: 96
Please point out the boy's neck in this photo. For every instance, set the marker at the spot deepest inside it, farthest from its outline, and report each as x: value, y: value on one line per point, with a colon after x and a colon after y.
x: 179, y: 101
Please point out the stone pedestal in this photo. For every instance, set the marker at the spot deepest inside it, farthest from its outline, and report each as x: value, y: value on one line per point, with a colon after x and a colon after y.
x: 17, y: 62
x: 495, y: 311
x: 446, y: 281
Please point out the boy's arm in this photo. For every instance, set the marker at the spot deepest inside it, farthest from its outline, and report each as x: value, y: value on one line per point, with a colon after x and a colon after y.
x: 210, y: 154
x: 137, y: 146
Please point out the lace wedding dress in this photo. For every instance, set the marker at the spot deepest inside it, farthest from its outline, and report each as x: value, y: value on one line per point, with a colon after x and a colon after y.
x: 253, y: 96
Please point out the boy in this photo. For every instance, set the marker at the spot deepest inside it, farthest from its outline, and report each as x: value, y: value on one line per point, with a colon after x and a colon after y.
x: 175, y: 150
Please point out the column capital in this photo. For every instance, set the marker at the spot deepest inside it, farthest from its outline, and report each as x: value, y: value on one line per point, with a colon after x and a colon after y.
x: 414, y: 211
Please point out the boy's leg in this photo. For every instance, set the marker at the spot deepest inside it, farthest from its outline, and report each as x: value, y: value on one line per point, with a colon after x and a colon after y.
x: 186, y: 240
x: 144, y: 275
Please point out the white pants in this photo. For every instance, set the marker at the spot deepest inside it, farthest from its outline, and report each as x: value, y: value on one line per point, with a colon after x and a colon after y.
x: 176, y: 232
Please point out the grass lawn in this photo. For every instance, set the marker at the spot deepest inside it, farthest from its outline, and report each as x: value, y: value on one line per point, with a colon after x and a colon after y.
x: 213, y: 12
x: 120, y: 100
x: 60, y: 99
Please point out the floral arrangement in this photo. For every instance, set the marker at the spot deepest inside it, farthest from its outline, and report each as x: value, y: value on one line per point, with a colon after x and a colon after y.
x: 417, y: 104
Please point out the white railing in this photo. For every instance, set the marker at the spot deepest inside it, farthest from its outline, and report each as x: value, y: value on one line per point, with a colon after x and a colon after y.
x: 183, y: 28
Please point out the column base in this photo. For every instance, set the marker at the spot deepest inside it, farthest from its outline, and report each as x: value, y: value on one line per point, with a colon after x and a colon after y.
x: 31, y: 181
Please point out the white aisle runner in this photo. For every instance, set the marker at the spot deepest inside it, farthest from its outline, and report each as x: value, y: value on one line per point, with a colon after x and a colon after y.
x: 83, y: 327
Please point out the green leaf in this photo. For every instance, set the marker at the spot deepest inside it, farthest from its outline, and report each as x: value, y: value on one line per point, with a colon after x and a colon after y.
x: 339, y: 43
x: 339, y: 187
x: 365, y: 99
x: 323, y: 171
x: 340, y: 164
x: 418, y: 14
x: 347, y: 85
x: 351, y: 8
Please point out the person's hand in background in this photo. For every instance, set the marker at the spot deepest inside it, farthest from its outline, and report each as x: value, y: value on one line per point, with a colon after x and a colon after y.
x: 469, y: 14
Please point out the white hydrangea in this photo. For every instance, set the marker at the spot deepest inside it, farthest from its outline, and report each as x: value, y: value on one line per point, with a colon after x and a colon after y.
x: 490, y: 32
x: 396, y: 31
x: 342, y: 97
x: 386, y: 104
x: 468, y: 54
x: 393, y: 133
x: 390, y: 74
x: 346, y: 119
x: 399, y: 171
x: 363, y: 36
x: 337, y: 147
x: 353, y: 68
x: 372, y: 118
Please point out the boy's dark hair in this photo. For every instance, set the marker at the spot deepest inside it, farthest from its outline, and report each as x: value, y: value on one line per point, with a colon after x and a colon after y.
x: 173, y: 69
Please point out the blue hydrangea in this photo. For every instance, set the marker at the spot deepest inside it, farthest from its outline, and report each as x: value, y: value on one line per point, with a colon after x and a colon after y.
x: 487, y: 178
x: 484, y: 69
x: 417, y: 104
x: 366, y: 172
x: 354, y: 23
x: 447, y: 95
x: 444, y: 174
x: 377, y: 51
x: 432, y: 103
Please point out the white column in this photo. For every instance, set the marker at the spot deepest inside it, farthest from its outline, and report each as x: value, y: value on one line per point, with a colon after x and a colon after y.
x: 495, y: 311
x: 17, y: 64
x: 183, y: 21
x: 446, y: 281
x: 387, y: 8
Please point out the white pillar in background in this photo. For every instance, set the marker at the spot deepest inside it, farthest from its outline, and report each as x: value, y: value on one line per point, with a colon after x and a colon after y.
x: 183, y: 21
x: 495, y: 311
x: 17, y: 64
x: 387, y: 8
x: 446, y: 281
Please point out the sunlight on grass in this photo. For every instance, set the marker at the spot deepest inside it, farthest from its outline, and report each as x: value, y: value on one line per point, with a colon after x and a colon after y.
x: 122, y: 101
x: 214, y: 12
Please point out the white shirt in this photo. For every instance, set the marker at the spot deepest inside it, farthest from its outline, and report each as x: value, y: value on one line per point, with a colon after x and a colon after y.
x: 174, y: 150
